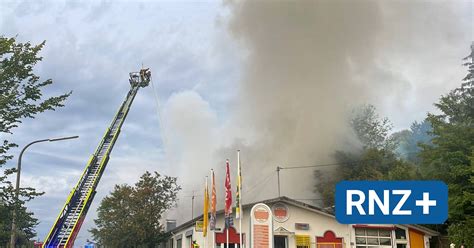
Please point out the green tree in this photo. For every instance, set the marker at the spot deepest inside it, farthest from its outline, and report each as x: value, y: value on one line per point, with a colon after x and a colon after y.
x: 450, y: 156
x: 374, y: 160
x: 130, y: 215
x: 372, y: 130
x: 409, y: 141
x: 21, y: 96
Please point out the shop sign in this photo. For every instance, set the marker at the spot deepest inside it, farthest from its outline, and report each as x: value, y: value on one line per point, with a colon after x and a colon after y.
x: 280, y: 212
x: 261, y: 227
x: 302, y: 226
x: 199, y: 226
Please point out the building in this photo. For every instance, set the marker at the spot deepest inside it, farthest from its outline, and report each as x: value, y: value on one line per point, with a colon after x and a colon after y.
x: 299, y: 225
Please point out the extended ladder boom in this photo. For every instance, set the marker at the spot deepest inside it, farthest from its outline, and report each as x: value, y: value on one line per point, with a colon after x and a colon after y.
x: 67, y: 225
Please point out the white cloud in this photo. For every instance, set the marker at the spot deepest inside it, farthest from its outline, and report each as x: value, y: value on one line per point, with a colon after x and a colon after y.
x: 197, y: 71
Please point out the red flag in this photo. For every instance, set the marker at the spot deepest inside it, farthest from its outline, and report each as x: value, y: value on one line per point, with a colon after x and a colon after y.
x: 228, y: 191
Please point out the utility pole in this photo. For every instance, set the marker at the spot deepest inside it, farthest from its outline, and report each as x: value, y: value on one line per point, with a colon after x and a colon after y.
x: 192, y: 206
x: 278, y: 176
x: 278, y: 169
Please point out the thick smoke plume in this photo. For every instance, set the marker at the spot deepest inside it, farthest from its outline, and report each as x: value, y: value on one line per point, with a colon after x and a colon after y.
x: 307, y: 65
x: 299, y: 84
x: 310, y: 63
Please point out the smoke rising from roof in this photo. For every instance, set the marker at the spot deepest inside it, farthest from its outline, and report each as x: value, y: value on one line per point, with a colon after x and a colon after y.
x: 306, y: 66
x: 310, y: 63
x: 299, y: 85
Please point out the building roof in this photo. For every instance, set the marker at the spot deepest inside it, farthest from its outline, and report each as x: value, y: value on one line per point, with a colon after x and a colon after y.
x: 293, y: 202
x: 249, y: 205
x: 424, y: 229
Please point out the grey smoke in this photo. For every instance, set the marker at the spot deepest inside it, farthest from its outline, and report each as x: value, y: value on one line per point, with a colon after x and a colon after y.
x: 305, y: 66
x: 308, y: 64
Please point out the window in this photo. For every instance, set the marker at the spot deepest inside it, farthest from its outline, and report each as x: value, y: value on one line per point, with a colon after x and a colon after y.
x: 370, y: 238
x: 400, y: 234
x: 302, y: 241
x: 179, y: 243
x: 189, y: 241
x: 401, y: 237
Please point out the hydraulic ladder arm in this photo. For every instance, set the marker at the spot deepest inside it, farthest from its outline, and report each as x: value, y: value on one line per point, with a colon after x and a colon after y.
x: 68, y: 223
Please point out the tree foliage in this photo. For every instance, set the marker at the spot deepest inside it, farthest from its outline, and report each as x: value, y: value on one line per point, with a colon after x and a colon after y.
x: 441, y: 147
x: 372, y: 130
x: 450, y: 156
x: 409, y: 141
x: 25, y: 222
x: 130, y: 215
x: 21, y: 96
x: 375, y: 160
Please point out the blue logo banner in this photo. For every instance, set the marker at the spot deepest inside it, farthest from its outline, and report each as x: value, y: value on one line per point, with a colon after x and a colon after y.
x: 391, y: 202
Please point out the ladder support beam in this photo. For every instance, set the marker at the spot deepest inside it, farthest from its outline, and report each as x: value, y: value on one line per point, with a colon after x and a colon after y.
x: 70, y: 219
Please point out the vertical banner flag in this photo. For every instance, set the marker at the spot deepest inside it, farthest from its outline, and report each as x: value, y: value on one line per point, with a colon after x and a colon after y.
x: 212, y: 224
x: 206, y: 210
x: 228, y: 198
x: 238, y: 200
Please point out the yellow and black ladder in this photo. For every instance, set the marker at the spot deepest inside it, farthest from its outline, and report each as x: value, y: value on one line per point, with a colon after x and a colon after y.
x: 67, y: 225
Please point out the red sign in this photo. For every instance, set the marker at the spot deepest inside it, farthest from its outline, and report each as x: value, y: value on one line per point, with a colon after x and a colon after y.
x: 261, y: 215
x: 280, y: 212
x: 261, y: 228
x: 260, y: 236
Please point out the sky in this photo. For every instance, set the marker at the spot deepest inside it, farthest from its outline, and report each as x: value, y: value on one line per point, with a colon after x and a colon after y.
x: 274, y: 80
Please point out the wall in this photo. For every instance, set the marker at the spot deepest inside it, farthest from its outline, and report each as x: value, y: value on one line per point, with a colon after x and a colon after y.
x: 319, y: 223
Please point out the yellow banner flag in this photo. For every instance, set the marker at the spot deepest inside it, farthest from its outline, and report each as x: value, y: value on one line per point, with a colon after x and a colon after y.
x: 206, y: 210
x: 238, y: 193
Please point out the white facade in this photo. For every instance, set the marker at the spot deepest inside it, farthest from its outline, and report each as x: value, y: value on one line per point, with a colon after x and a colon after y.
x: 303, y: 226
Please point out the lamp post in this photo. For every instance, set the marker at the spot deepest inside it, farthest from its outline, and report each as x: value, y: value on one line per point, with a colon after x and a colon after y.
x: 17, y: 188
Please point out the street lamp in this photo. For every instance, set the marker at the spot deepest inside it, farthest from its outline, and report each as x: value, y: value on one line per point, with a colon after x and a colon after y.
x: 17, y: 188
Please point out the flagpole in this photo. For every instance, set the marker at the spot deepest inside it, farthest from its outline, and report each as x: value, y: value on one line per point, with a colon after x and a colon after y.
x: 227, y: 225
x: 212, y: 206
x: 214, y: 238
x: 227, y: 236
x: 206, y: 213
x: 228, y: 203
x: 240, y: 198
x: 207, y: 195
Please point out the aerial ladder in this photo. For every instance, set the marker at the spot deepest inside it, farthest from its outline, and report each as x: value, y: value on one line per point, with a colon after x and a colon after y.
x: 68, y: 223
